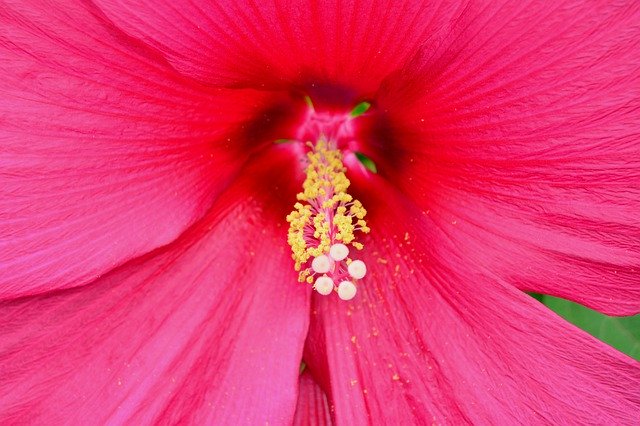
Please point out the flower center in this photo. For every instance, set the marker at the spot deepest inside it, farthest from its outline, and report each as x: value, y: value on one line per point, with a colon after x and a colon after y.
x: 325, y: 220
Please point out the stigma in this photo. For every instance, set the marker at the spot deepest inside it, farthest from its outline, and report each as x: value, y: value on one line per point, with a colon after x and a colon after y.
x: 324, y: 225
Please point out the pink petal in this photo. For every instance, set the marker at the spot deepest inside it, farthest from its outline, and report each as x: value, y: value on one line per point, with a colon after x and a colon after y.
x: 312, y: 409
x: 105, y: 152
x: 519, y: 133
x: 208, y: 329
x: 429, y: 338
x: 350, y: 43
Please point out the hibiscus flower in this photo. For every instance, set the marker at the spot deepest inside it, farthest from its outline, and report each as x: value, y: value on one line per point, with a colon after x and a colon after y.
x: 146, y: 275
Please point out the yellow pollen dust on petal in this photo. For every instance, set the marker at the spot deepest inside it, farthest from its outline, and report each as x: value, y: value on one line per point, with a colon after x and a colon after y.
x: 325, y: 213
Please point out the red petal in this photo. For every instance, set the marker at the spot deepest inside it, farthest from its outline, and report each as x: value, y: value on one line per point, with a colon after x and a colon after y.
x: 312, y: 409
x: 353, y: 43
x: 519, y: 133
x: 208, y: 328
x: 106, y: 153
x: 429, y: 338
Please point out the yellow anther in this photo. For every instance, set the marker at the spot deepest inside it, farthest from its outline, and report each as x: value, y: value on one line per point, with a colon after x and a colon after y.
x: 325, y: 213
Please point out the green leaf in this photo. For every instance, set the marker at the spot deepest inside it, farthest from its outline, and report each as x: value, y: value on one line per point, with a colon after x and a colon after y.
x: 360, y: 109
x: 623, y: 333
x: 367, y: 162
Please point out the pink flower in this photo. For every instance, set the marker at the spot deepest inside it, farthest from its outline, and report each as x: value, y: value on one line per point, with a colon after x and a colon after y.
x: 144, y: 267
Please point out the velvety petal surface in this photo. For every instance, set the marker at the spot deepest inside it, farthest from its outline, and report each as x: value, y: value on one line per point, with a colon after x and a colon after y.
x: 519, y: 134
x: 431, y: 339
x: 105, y: 152
x: 207, y: 330
x: 353, y: 44
x: 313, y: 408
